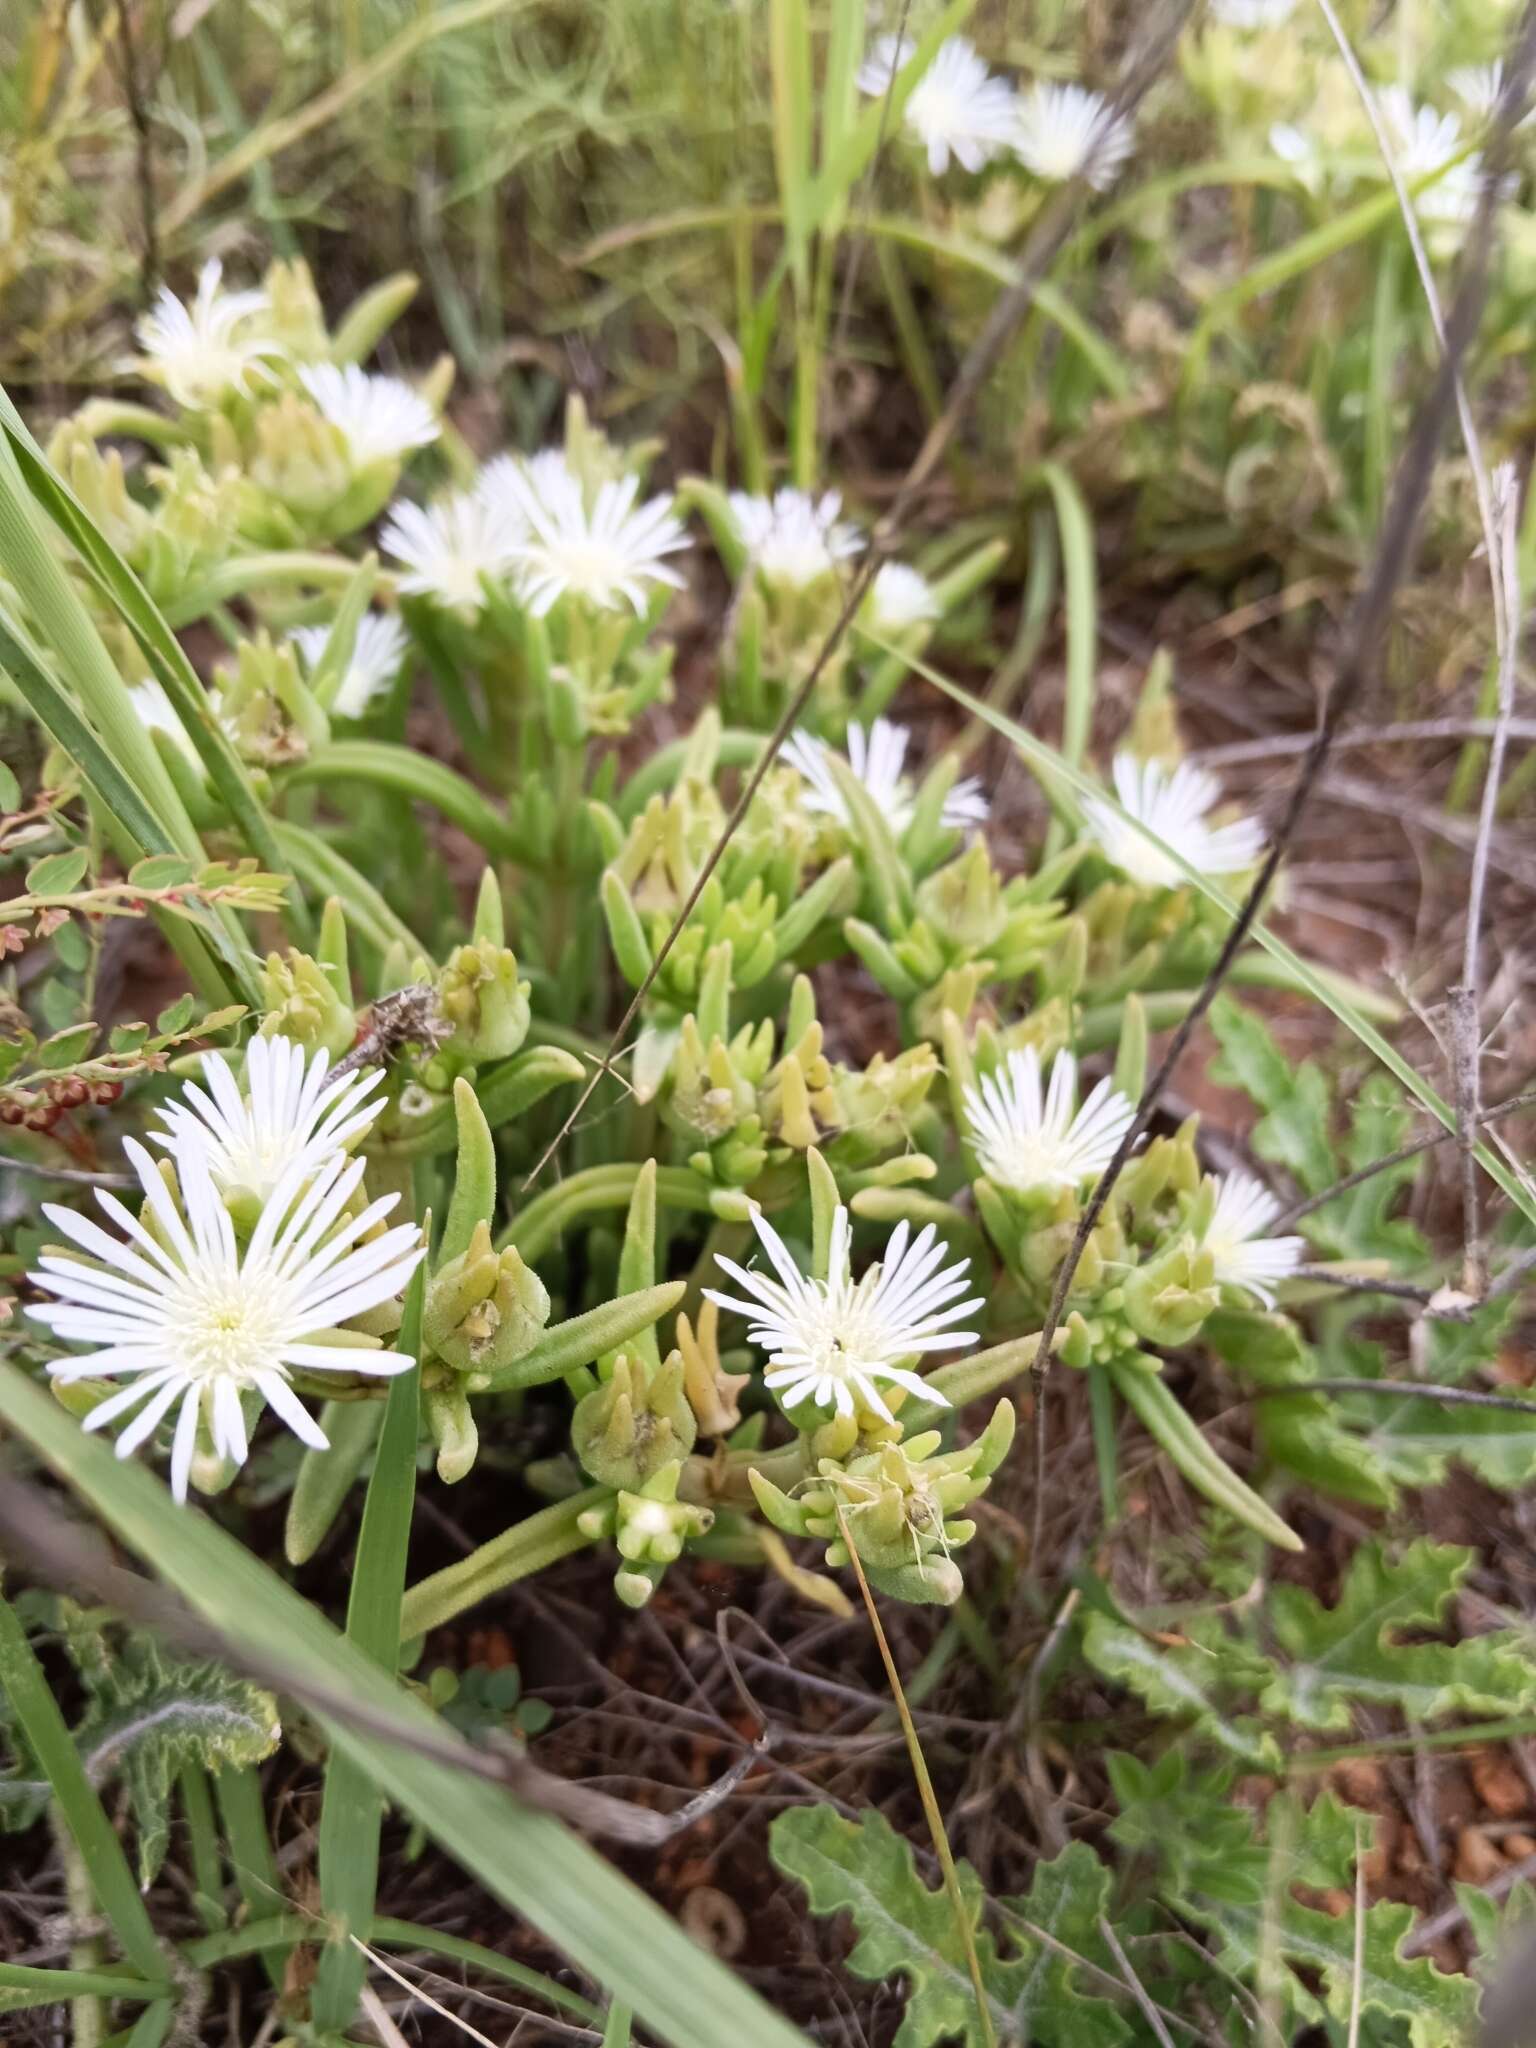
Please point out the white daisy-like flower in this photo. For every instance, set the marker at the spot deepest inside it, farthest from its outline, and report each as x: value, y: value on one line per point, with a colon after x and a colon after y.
x: 1301, y: 150
x: 445, y: 549
x: 378, y: 648
x: 176, y: 1304
x: 158, y: 714
x: 900, y: 598
x: 379, y: 418
x: 1480, y: 87
x: 202, y: 351
x: 832, y: 1341
x: 958, y: 108
x: 878, y: 759
x: 793, y: 538
x: 1173, y: 804
x: 1066, y: 131
x: 1423, y: 140
x: 1028, y: 1136
x: 288, y: 1118
x: 1251, y: 14
x: 1242, y: 1254
x: 609, y: 553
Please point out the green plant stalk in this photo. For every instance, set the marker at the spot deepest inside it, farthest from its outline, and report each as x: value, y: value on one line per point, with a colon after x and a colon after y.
x: 616, y: 2033
x: 535, y: 1229
x: 931, y: 1813
x: 1075, y: 528
x: 352, y: 1810
x: 528, y: 1546
x: 971, y: 1379
x: 527, y: 1860
x: 321, y: 868
x: 1166, y: 1421
x: 87, y: 1951
x: 387, y: 766
x: 1101, y: 1414
x: 31, y: 1700
x: 251, y: 1858
x: 250, y: 573
x: 203, y: 1837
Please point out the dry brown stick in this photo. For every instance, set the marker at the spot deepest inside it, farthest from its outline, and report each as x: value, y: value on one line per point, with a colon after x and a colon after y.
x: 1403, y: 1390
x: 1051, y: 230
x: 1368, y: 620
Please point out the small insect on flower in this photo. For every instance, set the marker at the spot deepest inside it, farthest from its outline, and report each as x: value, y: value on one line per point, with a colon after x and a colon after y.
x: 1242, y: 1255
x: 877, y: 758
x: 203, y: 351
x: 378, y: 648
x: 958, y: 108
x: 832, y: 1341
x: 610, y: 552
x: 1172, y: 804
x: 1028, y: 1136
x: 1065, y: 131
x: 194, y: 1319
x: 446, y: 549
x: 792, y: 538
x: 379, y: 418
x: 291, y: 1118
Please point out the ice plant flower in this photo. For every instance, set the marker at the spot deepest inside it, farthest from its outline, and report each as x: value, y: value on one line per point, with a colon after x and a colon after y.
x: 958, y: 108
x: 158, y: 714
x: 793, y: 538
x: 1301, y: 150
x: 1065, y: 131
x: 1173, y: 804
x: 877, y: 758
x: 192, y: 1318
x: 1251, y: 14
x: 900, y: 598
x: 833, y: 1341
x: 609, y: 552
x: 446, y: 549
x: 1424, y: 140
x: 203, y: 351
x: 1242, y: 1255
x: 1028, y: 1136
x: 380, y: 418
x: 289, y: 1118
x: 378, y: 648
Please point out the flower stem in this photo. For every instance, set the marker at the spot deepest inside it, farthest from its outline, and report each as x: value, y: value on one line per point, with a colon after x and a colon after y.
x: 527, y: 1547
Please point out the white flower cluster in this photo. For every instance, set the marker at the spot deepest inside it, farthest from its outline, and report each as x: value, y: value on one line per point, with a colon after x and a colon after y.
x: 221, y: 345
x: 959, y: 109
x: 239, y: 1269
x: 532, y: 524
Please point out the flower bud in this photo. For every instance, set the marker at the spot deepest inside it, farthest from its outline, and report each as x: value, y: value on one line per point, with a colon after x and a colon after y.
x: 637, y: 1422
x: 1168, y: 1297
x: 711, y: 1392
x: 483, y: 1309
x: 267, y: 707
x: 479, y: 994
x: 300, y: 1001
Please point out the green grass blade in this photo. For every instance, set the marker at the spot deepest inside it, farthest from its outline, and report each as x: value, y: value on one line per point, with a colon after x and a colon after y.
x: 109, y: 702
x: 23, y: 1989
x: 526, y: 1859
x: 250, y: 1856
x: 1059, y: 774
x: 789, y: 50
x: 30, y: 1698
x: 1080, y: 572
x: 352, y: 1810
